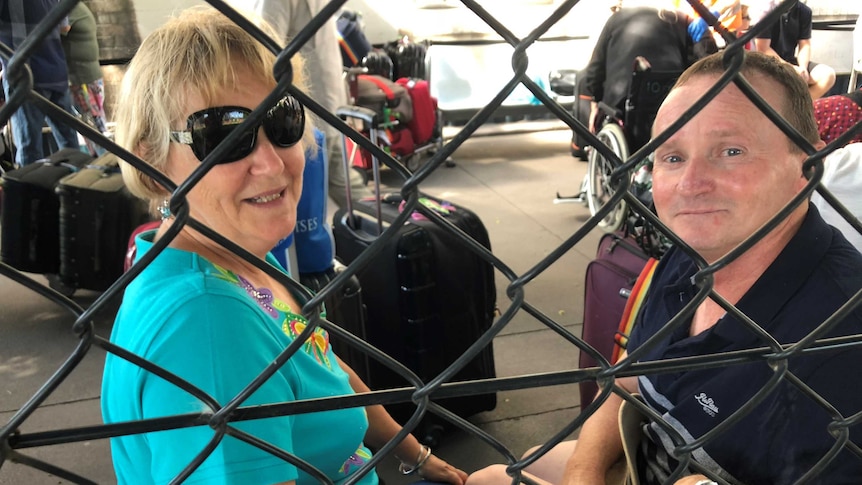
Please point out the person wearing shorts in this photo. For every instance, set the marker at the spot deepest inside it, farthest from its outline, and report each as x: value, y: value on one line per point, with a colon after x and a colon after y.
x: 789, y: 39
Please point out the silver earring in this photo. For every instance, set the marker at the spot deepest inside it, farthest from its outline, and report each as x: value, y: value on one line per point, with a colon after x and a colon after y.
x: 165, y: 209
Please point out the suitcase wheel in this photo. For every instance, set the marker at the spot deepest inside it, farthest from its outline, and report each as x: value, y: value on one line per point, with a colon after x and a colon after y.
x: 57, y: 285
x: 430, y: 435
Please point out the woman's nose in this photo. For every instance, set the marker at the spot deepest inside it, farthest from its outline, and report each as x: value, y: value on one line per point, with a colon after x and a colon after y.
x: 266, y: 158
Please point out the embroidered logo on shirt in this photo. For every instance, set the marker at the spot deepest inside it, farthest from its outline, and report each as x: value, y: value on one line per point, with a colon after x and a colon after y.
x: 708, y: 404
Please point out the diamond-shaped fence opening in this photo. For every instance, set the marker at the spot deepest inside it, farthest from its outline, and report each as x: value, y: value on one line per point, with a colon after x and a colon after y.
x: 776, y: 356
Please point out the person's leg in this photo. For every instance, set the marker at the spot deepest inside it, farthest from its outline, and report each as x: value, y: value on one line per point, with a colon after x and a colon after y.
x: 26, y: 124
x: 65, y: 135
x: 496, y: 475
x: 549, y: 469
x: 27, y: 134
x: 552, y: 465
x: 546, y: 470
x: 822, y: 79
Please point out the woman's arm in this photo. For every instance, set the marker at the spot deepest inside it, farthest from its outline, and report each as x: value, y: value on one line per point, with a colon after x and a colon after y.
x: 382, y: 427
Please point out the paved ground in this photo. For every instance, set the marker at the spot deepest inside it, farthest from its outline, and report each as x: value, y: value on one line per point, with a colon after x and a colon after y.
x: 510, y: 181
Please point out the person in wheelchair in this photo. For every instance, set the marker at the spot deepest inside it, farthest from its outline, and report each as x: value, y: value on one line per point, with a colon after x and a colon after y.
x: 658, y: 35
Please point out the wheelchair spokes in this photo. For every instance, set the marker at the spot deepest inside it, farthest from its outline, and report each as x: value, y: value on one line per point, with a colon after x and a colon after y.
x: 598, y: 185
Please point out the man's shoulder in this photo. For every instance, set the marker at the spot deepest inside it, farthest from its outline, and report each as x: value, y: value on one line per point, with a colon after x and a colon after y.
x: 843, y: 263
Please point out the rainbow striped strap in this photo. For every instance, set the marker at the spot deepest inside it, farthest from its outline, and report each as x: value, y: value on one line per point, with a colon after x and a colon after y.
x: 633, y: 305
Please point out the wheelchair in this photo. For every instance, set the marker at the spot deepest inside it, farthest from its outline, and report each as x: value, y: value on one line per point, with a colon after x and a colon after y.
x: 624, y: 132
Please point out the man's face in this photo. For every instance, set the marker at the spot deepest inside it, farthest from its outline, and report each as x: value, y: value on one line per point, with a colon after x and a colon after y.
x: 727, y: 171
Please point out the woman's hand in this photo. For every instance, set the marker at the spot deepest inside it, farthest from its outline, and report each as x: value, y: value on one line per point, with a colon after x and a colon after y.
x: 438, y: 470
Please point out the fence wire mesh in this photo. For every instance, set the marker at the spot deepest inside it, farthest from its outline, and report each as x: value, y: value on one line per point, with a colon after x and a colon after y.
x: 14, y: 444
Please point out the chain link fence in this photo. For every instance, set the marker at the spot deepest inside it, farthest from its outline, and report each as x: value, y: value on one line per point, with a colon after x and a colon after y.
x: 14, y: 444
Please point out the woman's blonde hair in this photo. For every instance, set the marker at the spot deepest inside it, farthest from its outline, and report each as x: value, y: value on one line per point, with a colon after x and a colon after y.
x: 199, y: 52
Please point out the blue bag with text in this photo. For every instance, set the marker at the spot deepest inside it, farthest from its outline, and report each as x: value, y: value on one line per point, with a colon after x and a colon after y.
x: 312, y: 234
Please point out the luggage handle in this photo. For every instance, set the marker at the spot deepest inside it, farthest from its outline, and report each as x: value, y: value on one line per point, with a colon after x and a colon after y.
x: 370, y: 118
x: 107, y: 170
x: 390, y: 96
x: 63, y: 162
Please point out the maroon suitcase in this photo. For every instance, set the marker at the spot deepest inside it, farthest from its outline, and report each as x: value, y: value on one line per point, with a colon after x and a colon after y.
x: 609, y: 280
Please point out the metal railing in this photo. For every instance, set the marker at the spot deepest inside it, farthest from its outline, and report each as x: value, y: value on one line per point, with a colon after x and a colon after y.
x: 14, y: 444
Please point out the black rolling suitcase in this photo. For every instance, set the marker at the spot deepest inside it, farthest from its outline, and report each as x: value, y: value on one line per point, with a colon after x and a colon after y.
x: 346, y: 309
x: 97, y: 215
x: 428, y: 298
x: 30, y: 239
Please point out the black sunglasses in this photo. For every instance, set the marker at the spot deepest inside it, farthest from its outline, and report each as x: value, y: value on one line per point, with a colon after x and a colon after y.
x: 284, y: 125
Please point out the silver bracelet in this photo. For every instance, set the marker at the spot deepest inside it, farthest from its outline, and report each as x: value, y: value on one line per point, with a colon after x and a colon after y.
x: 424, y: 454
x: 706, y: 482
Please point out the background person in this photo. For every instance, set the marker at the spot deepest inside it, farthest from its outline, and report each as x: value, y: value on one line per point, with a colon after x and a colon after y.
x: 709, y: 190
x: 50, y: 79
x: 202, y: 312
x: 789, y: 39
x: 658, y: 35
x: 842, y: 175
x: 85, y: 73
x: 837, y: 114
x: 323, y: 63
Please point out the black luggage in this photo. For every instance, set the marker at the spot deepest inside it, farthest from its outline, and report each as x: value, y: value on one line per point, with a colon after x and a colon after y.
x: 428, y: 297
x: 609, y: 281
x: 97, y: 215
x: 379, y: 63
x: 30, y: 239
x: 408, y: 58
x: 346, y: 309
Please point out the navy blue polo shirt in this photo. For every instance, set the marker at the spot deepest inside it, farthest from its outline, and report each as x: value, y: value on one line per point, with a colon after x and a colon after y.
x: 785, y: 434
x: 785, y: 34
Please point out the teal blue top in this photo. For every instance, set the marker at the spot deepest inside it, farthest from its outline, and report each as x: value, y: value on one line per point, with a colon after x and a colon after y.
x: 212, y: 328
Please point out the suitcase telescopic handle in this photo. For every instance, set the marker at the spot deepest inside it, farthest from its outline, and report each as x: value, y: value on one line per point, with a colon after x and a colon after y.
x: 370, y: 118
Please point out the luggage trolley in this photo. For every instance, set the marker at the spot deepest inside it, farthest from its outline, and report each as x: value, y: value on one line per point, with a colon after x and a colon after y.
x: 405, y: 139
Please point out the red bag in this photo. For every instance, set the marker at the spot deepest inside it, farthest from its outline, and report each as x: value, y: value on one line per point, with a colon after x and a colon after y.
x: 424, y: 109
x: 388, y: 99
x: 401, y: 142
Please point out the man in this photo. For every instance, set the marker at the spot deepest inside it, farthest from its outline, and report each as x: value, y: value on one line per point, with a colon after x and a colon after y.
x: 789, y: 39
x: 718, y: 179
x: 50, y: 79
x: 714, y: 191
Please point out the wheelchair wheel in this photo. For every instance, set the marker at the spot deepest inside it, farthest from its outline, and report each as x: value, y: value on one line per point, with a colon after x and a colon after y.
x: 599, y: 190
